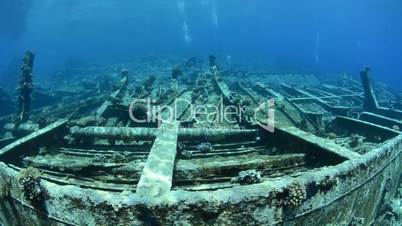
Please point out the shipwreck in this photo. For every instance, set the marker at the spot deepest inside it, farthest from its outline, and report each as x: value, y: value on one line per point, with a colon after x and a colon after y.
x: 315, y: 153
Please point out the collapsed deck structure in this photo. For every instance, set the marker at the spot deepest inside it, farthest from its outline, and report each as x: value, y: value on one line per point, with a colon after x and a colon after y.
x: 285, y: 154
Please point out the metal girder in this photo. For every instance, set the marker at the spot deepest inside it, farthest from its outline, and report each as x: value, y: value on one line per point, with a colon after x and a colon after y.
x: 157, y: 175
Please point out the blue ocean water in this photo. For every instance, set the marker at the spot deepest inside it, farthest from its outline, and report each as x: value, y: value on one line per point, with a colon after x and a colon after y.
x: 325, y: 37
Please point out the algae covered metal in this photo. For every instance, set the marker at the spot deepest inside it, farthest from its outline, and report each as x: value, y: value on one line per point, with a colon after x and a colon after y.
x: 212, y: 151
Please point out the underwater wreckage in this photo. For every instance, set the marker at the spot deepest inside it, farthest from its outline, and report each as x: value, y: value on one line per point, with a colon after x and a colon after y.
x: 332, y: 156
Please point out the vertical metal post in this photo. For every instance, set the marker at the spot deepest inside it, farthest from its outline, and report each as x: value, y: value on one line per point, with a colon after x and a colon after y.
x: 25, y: 87
x: 370, y: 101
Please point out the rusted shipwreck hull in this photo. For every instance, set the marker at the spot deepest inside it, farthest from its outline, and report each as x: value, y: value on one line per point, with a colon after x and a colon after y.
x: 345, y: 186
x: 121, y: 173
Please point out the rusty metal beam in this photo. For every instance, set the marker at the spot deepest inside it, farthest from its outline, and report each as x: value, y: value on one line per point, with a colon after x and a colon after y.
x: 25, y: 87
x: 157, y: 175
x: 302, y: 99
x: 222, y: 88
x: 370, y: 101
x: 324, y: 144
x: 381, y: 120
x: 32, y: 137
x: 218, y: 167
x: 369, y: 130
x: 265, y: 90
x: 151, y: 133
x: 116, y: 94
x: 343, y: 111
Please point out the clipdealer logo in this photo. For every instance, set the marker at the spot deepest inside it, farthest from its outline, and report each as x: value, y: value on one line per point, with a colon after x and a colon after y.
x: 147, y: 111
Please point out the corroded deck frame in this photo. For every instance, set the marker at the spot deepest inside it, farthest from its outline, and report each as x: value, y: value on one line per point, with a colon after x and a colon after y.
x: 327, y: 194
x: 334, y: 194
